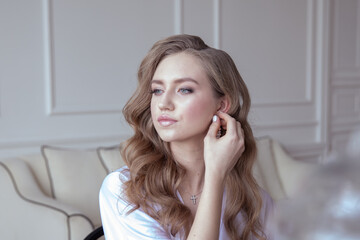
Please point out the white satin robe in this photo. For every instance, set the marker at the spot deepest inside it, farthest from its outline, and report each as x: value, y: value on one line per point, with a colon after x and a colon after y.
x: 137, y: 225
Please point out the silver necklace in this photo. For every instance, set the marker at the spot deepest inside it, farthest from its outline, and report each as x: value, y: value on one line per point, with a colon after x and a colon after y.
x: 194, y: 197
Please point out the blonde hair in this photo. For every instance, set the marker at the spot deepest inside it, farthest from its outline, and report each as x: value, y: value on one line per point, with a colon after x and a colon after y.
x: 155, y: 175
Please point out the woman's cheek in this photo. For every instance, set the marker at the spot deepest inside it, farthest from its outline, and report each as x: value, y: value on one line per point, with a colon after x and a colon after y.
x: 198, y: 109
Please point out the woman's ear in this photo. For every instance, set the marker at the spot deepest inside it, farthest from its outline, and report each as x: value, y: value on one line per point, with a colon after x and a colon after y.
x: 224, y: 104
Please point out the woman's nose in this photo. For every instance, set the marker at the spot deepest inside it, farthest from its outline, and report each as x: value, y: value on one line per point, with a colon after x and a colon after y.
x: 166, y: 102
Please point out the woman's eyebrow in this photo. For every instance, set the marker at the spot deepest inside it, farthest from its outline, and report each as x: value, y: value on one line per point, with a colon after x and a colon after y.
x: 180, y: 80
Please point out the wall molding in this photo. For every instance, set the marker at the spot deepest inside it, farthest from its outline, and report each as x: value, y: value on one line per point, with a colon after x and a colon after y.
x: 315, y: 152
x: 318, y: 29
x: 358, y: 37
x: 52, y: 108
x: 313, y: 18
x: 83, y: 110
x: 353, y: 94
x: 322, y: 70
x: 344, y: 79
x: 354, y: 70
x: 350, y: 81
x: 0, y: 95
x: 265, y: 126
x: 217, y: 23
x: 344, y: 75
x: 17, y: 148
x: 178, y: 16
x: 345, y: 127
x: 48, y: 56
x: 340, y: 140
x: 20, y: 143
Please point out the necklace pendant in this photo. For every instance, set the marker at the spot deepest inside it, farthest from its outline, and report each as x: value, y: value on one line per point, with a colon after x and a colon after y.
x: 193, y: 199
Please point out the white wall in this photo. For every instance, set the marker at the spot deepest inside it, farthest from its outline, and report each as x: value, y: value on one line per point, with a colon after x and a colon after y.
x: 68, y: 67
x: 344, y: 76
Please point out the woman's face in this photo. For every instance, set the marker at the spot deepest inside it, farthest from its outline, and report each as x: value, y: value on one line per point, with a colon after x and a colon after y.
x: 183, y: 101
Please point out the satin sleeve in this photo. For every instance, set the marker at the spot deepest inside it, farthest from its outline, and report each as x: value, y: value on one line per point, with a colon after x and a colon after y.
x: 267, y: 215
x: 117, y: 223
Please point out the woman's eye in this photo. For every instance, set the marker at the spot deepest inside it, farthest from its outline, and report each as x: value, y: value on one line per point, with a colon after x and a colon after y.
x: 185, y: 90
x: 156, y: 91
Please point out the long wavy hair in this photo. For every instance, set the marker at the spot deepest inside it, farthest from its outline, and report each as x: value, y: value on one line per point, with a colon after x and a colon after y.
x: 154, y: 174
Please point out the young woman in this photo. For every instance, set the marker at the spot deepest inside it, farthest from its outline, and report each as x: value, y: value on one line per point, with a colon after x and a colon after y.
x: 188, y: 165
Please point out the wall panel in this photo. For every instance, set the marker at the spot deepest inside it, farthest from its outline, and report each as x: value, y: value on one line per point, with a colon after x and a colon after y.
x: 89, y: 51
x: 272, y: 52
x: 278, y: 57
x: 346, y: 45
x: 345, y: 73
x: 199, y: 19
x: 68, y: 67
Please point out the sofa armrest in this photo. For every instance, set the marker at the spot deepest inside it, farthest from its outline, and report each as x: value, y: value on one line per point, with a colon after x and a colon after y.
x: 28, y: 213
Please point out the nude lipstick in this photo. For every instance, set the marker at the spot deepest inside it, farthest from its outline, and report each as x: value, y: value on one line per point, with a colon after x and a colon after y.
x: 166, y: 121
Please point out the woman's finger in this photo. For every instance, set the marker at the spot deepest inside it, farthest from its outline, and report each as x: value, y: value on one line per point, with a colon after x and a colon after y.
x: 238, y: 129
x: 242, y: 137
x: 227, y: 122
x: 242, y: 133
x: 214, y: 126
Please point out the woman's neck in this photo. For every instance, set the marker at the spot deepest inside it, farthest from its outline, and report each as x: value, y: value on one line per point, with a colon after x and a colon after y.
x: 191, y: 157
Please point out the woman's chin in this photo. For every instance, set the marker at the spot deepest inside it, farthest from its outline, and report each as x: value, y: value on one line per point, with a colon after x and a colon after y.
x: 168, y: 138
x: 181, y: 137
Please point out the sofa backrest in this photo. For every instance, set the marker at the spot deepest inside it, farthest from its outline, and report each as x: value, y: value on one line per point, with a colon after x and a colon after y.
x: 38, y: 168
x: 265, y: 169
x: 74, y: 176
x: 277, y: 172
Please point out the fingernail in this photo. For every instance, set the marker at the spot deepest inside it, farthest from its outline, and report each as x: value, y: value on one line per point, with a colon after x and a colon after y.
x: 215, y: 118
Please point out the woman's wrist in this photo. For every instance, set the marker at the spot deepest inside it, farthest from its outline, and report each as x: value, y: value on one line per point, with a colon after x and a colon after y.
x: 215, y: 176
x: 215, y: 173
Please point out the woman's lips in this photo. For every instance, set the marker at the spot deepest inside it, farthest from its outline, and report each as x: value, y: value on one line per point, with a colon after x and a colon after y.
x: 166, y: 121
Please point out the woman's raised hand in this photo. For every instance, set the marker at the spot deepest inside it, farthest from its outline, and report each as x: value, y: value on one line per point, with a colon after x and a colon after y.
x: 221, y: 154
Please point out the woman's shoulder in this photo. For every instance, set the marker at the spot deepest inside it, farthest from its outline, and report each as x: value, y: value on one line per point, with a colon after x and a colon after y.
x: 113, y: 182
x: 267, y: 204
x: 112, y: 192
x: 267, y: 199
x: 118, y: 176
x: 267, y: 213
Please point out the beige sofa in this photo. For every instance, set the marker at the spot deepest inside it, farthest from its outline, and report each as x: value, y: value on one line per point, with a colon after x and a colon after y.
x: 54, y: 195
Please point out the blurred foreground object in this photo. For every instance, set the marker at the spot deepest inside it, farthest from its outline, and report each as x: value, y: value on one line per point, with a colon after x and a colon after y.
x: 328, y: 204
